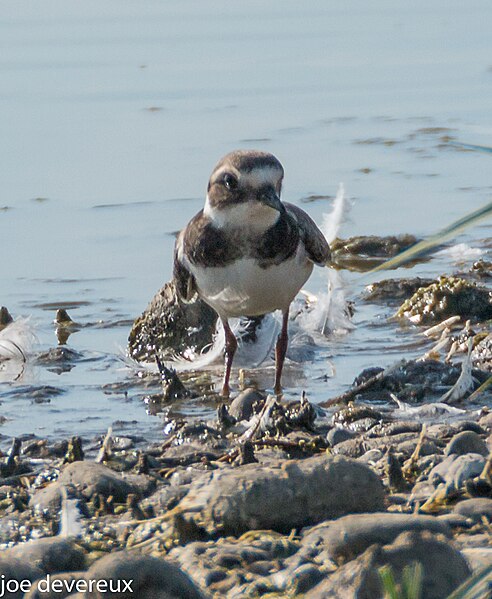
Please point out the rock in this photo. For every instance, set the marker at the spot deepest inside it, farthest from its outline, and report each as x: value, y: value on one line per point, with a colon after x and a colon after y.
x: 224, y: 565
x: 90, y: 478
x: 394, y: 290
x: 45, y: 589
x: 304, y: 578
x: 149, y: 578
x: 47, y: 500
x: 241, y: 407
x: 51, y: 554
x: 466, y: 442
x: 232, y: 501
x: 338, y: 435
x: 170, y: 326
x: 449, y: 296
x: 454, y: 470
x: 366, y: 251
x: 411, y: 381
x: 444, y: 569
x: 476, y: 508
x: 478, y: 557
x: 486, y: 422
x: 17, y: 571
x: 349, y: 536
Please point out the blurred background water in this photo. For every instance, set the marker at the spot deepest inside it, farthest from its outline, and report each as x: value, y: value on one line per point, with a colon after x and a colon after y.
x: 113, y: 114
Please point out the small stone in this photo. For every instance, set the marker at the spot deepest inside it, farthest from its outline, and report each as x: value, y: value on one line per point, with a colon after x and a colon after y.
x: 241, y: 407
x: 16, y: 569
x: 47, y: 500
x: 150, y: 577
x: 304, y: 578
x: 486, y: 422
x: 444, y: 569
x: 475, y: 509
x: 454, y: 470
x: 51, y: 554
x: 90, y: 478
x: 338, y: 435
x: 478, y: 557
x: 349, y: 536
x: 466, y: 442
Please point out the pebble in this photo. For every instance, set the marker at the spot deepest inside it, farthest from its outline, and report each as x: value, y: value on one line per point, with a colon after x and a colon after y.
x: 338, y: 435
x: 444, y: 569
x: 152, y: 578
x: 242, y: 406
x: 51, y: 554
x: 12, y: 568
x: 349, y: 536
x: 476, y: 509
x: 90, y: 478
x: 466, y: 442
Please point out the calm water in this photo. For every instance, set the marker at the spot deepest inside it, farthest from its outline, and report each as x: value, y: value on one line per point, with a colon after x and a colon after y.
x: 113, y: 114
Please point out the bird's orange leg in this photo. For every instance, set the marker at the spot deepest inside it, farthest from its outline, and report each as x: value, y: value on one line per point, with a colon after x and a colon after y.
x: 280, y: 351
x: 230, y: 350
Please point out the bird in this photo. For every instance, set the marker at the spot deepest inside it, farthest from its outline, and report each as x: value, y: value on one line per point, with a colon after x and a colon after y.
x: 247, y: 253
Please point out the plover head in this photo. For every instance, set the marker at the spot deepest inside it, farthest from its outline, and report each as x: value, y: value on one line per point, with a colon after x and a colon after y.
x: 244, y: 190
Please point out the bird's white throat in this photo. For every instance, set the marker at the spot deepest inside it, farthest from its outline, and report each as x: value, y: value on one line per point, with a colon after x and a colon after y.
x: 251, y: 215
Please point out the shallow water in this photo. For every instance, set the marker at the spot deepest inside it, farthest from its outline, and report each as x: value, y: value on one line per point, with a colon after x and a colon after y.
x: 113, y: 114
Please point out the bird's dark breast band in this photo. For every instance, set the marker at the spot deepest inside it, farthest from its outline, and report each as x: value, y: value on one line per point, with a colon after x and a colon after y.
x: 208, y: 246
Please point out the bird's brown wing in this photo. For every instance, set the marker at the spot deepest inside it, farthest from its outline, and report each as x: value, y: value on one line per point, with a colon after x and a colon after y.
x: 183, y: 280
x: 314, y: 241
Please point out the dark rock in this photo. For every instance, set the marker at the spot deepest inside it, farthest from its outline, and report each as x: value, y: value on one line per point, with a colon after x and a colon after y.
x: 394, y: 472
x: 476, y: 509
x: 246, y: 454
x: 172, y: 387
x: 353, y: 413
x: 91, y: 479
x: 351, y: 535
x: 366, y: 251
x: 170, y: 326
x: 411, y: 381
x: 52, y: 554
x: 444, y: 569
x: 394, y: 290
x: 17, y: 570
x: 152, y: 578
x: 304, y: 578
x: 264, y: 497
x: 5, y: 317
x: 241, y: 407
x: 466, y: 442
x: 449, y: 296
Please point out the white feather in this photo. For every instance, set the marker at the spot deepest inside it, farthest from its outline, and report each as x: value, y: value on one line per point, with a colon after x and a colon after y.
x: 17, y: 340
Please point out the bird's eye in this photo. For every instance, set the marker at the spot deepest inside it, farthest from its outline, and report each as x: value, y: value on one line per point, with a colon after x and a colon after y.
x: 230, y: 182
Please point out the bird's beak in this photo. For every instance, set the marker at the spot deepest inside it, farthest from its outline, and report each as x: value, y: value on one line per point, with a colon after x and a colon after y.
x: 268, y: 197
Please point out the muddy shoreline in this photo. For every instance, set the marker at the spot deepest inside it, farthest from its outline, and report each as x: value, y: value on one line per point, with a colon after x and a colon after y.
x: 278, y: 498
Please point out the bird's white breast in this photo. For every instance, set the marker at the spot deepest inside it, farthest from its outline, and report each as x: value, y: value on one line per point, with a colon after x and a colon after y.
x: 244, y: 288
